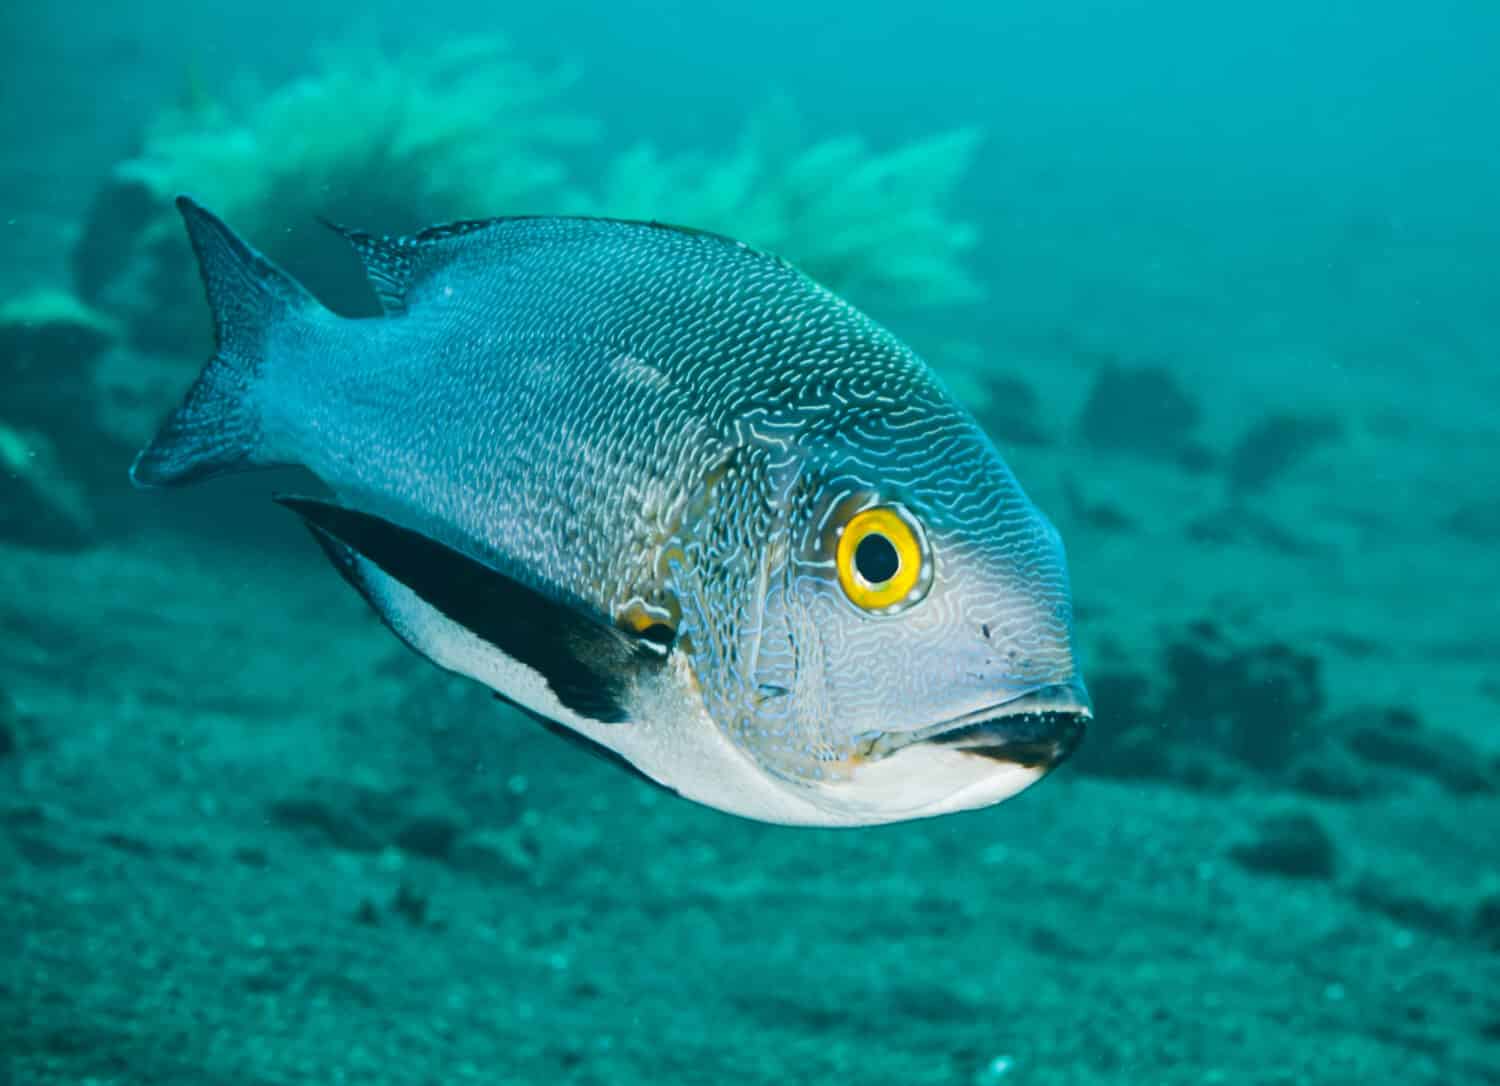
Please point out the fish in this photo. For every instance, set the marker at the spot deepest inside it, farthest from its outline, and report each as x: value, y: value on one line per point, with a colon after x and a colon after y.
x: 664, y: 493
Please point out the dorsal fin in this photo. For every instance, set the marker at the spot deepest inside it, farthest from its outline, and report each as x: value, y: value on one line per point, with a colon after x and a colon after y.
x: 387, y: 262
x: 393, y: 264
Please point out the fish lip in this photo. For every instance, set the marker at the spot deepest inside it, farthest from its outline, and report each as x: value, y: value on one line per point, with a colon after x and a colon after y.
x: 1039, y: 729
x: 1042, y: 739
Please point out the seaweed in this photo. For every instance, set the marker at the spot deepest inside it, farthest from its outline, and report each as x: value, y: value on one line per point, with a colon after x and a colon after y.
x: 393, y: 143
x: 396, y: 143
x: 873, y: 225
x: 390, y: 143
x: 1273, y: 447
x: 1143, y: 410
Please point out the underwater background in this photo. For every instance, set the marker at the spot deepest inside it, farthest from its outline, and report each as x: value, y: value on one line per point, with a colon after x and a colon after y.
x: 1220, y: 281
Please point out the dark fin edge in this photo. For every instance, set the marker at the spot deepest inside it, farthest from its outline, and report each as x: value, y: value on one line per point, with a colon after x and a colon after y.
x: 588, y: 663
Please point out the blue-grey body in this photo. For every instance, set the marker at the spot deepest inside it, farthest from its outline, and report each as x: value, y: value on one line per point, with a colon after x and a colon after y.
x: 645, y: 444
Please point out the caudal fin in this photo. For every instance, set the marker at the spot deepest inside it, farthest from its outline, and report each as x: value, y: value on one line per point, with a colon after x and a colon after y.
x: 217, y: 429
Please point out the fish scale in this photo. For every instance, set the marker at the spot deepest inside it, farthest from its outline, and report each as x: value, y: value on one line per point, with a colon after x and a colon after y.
x: 591, y: 433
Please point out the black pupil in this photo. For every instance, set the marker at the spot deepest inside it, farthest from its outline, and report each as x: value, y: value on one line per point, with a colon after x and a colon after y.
x: 876, y: 559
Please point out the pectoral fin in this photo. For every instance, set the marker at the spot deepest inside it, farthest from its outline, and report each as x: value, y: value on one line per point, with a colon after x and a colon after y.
x: 449, y: 607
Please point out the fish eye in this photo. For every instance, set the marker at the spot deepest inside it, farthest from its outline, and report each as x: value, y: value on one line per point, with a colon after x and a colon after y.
x: 875, y: 559
x: 883, y: 563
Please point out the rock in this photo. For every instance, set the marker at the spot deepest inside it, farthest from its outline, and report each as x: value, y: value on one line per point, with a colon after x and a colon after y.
x: 1127, y: 738
x: 365, y: 814
x: 50, y: 344
x: 124, y: 207
x: 1478, y: 522
x: 10, y: 742
x: 503, y: 855
x: 341, y: 828
x: 44, y: 852
x: 40, y: 505
x: 410, y: 904
x: 251, y: 856
x: 431, y: 834
x: 1406, y: 908
x: 26, y: 816
x: 1225, y: 707
x: 133, y: 262
x: 1331, y: 774
x: 1259, y: 704
x: 1202, y: 771
x: 1353, y: 645
x: 1394, y: 738
x: 1485, y: 922
x: 1012, y: 411
x: 48, y: 335
x: 1292, y: 844
x: 1123, y: 696
x: 1142, y: 410
x: 1274, y: 446
x: 1239, y: 525
x: 1099, y: 516
x: 126, y: 842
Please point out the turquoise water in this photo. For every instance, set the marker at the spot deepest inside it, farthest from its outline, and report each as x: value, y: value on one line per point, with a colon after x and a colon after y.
x: 1221, y: 287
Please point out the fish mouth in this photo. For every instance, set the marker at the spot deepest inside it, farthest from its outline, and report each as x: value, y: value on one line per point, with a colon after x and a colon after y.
x: 1037, y: 730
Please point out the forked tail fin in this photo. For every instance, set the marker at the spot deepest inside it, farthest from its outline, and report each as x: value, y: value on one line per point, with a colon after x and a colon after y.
x: 217, y: 429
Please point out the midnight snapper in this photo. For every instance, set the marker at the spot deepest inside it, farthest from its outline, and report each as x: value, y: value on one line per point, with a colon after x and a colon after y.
x: 663, y: 492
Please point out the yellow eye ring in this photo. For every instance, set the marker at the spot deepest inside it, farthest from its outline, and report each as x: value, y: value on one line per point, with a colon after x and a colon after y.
x: 882, y: 560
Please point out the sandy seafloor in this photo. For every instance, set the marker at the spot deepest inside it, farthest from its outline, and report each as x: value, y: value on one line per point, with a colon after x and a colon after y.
x: 248, y: 838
